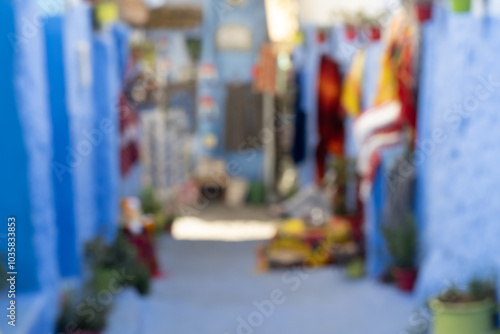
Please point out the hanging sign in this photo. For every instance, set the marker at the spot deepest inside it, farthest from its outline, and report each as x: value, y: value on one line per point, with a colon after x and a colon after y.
x: 234, y: 37
x: 175, y: 17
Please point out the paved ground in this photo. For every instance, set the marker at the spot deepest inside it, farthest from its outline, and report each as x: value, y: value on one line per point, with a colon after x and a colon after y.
x: 212, y: 289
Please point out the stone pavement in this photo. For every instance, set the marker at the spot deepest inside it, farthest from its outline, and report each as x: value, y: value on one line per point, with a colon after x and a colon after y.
x: 212, y: 288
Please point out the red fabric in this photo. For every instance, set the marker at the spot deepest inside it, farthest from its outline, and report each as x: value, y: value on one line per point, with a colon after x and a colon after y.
x: 145, y: 249
x: 330, y: 118
x: 129, y: 141
x: 406, y: 83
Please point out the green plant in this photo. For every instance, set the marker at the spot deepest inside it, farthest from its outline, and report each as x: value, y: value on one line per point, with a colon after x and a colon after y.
x: 465, y: 311
x: 3, y: 272
x: 142, y: 279
x: 104, y: 259
x: 477, y: 290
x: 99, y: 254
x: 345, y: 174
x: 401, y: 240
x: 77, y: 314
x: 149, y: 202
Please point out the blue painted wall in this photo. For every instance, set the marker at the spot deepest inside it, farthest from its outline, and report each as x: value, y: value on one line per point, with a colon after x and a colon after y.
x: 25, y: 171
x: 27, y: 148
x: 232, y: 67
x: 106, y: 87
x: 459, y: 149
x: 77, y: 42
x: 15, y: 200
x: 63, y: 184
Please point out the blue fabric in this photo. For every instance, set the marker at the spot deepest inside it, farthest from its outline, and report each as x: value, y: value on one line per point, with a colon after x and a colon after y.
x: 106, y: 88
x: 62, y: 181
x: 459, y: 140
x: 378, y: 257
x: 306, y: 171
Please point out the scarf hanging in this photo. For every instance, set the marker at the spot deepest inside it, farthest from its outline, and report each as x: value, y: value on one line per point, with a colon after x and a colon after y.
x: 351, y: 88
x: 330, y: 118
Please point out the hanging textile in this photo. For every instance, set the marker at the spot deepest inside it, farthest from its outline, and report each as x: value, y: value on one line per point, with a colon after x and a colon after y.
x: 401, y: 197
x: 330, y: 119
x: 351, y: 88
x: 299, y: 139
x: 397, y: 81
x: 376, y: 129
x: 382, y: 126
x: 129, y: 135
x: 244, y: 117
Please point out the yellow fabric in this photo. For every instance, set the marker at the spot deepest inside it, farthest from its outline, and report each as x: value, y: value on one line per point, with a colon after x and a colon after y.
x: 400, y: 34
x: 388, y: 86
x: 350, y: 99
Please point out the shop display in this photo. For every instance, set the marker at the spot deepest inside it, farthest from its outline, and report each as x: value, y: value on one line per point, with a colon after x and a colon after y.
x: 300, y: 243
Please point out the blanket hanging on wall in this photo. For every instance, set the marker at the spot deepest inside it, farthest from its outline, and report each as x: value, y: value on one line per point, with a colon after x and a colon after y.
x: 244, y: 118
x: 330, y: 118
x: 299, y: 139
x: 129, y: 135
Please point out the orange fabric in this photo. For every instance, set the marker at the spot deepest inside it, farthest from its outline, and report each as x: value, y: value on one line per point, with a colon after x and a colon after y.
x: 351, y: 88
x: 330, y: 118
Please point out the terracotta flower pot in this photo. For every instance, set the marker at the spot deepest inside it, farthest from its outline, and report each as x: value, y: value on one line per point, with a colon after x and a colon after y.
x: 461, y: 6
x: 351, y: 33
x: 405, y: 278
x: 374, y: 33
x: 423, y: 11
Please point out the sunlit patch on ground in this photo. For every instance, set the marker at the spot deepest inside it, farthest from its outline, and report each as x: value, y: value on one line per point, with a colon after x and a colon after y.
x: 193, y: 228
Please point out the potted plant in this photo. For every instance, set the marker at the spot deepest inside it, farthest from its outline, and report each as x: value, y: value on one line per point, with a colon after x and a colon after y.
x: 104, y: 260
x: 423, y: 10
x: 351, y: 32
x: 356, y: 268
x: 461, y: 6
x: 373, y: 32
x: 351, y: 24
x: 401, y: 240
x: 74, y: 318
x: 372, y: 26
x: 465, y: 312
x: 151, y: 206
x: 345, y: 175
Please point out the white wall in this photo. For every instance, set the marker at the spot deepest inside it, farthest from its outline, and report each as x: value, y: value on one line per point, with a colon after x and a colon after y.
x: 324, y: 12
